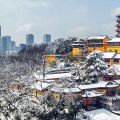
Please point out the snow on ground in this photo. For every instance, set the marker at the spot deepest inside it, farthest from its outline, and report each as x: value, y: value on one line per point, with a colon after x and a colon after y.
x: 103, y: 114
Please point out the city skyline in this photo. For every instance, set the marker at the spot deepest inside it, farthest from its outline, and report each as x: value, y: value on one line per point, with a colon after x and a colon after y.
x: 27, y: 35
x: 8, y: 45
x: 59, y: 18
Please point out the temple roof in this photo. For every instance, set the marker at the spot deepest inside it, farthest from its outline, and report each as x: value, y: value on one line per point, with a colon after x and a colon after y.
x: 96, y: 37
x: 114, y: 40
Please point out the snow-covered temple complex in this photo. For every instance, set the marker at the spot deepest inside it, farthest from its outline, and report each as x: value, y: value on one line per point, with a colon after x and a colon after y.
x: 70, y: 73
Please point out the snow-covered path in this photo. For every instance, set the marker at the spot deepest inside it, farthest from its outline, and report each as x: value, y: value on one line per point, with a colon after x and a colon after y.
x: 103, y: 114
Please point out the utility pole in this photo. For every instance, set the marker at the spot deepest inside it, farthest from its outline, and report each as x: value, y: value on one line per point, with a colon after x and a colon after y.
x: 94, y: 47
x: 43, y: 67
x: 43, y: 71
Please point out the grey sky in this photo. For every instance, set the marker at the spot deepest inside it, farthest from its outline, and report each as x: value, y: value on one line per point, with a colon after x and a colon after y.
x: 61, y: 18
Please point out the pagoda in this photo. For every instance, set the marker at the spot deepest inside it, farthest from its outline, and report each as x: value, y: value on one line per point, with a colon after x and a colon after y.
x: 118, y: 26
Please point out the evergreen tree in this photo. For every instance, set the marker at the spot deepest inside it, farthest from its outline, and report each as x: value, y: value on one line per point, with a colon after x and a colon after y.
x: 94, y: 68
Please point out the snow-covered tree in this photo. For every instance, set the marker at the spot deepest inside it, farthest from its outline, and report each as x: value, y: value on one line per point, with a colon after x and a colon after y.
x: 22, y: 105
x: 65, y: 46
x: 94, y: 68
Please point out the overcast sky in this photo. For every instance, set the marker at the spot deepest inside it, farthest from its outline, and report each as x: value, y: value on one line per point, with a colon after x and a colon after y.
x: 60, y: 18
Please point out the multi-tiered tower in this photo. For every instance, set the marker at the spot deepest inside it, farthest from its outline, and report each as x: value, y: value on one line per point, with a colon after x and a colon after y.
x: 118, y: 26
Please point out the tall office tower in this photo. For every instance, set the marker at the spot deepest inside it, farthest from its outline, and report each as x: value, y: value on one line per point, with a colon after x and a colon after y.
x: 29, y: 39
x: 0, y: 42
x: 13, y: 45
x: 46, y: 38
x: 0, y: 45
x: 0, y: 30
x: 17, y: 49
x: 118, y: 26
x: 6, y: 44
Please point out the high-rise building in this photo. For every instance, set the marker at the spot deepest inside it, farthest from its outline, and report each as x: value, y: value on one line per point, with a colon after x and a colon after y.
x: 13, y: 45
x: 22, y: 46
x: 118, y: 26
x: 0, y: 45
x: 0, y: 31
x: 29, y: 39
x: 0, y: 42
x: 6, y: 44
x: 17, y: 49
x: 47, y: 38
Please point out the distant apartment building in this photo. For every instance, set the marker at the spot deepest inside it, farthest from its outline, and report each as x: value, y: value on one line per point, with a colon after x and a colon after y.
x: 17, y: 49
x: 0, y: 45
x: 0, y: 42
x: 46, y: 38
x: 13, y: 45
x: 6, y: 44
x: 0, y: 31
x: 10, y: 53
x: 22, y: 47
x: 29, y: 39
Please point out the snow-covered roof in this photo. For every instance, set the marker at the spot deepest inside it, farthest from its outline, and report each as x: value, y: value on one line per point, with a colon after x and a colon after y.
x: 53, y: 76
x: 79, y: 40
x: 48, y: 81
x: 117, y: 56
x: 40, y: 85
x: 77, y: 44
x: 115, y: 69
x: 91, y: 94
x: 91, y: 86
x: 54, y: 55
x: 117, y: 81
x: 102, y: 114
x: 101, y: 84
x: 108, y: 55
x: 66, y: 90
x: 114, y: 40
x: 96, y: 37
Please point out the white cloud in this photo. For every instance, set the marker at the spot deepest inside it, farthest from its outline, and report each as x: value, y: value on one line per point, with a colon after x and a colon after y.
x: 87, y: 31
x: 108, y: 28
x: 116, y: 11
x: 79, y: 31
x: 25, y: 27
x: 19, y: 17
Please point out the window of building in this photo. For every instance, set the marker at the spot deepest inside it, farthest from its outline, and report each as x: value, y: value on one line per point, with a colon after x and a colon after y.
x: 95, y: 41
x: 110, y: 92
x: 116, y: 44
x: 100, y: 45
x: 107, y: 60
x: 112, y: 44
x: 116, y: 60
x: 118, y: 92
